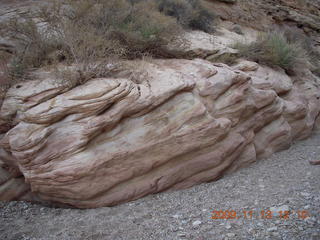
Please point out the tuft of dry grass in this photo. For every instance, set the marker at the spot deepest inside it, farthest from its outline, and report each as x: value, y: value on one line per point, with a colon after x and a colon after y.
x: 295, y: 36
x: 273, y: 49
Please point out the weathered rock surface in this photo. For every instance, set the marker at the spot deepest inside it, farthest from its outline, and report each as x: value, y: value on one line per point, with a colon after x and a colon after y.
x: 299, y: 17
x: 189, y: 121
x: 262, y: 14
x: 198, y: 44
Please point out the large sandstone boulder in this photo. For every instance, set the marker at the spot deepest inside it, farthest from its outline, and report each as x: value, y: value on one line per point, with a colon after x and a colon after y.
x: 113, y: 140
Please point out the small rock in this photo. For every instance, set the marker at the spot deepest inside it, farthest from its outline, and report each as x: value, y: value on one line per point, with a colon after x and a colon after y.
x: 228, y: 226
x: 260, y: 224
x: 315, y: 162
x: 231, y: 235
x: 272, y: 229
x: 176, y: 216
x: 276, y: 234
x: 196, y: 223
x: 305, y: 195
x: 182, y: 235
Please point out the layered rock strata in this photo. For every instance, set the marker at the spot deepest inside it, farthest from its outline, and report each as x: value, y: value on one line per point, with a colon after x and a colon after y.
x: 185, y: 122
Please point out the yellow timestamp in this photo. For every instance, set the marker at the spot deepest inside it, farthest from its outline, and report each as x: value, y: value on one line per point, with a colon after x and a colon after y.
x: 263, y: 214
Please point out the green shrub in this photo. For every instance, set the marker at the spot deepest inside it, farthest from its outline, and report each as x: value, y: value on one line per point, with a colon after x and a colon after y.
x: 273, y: 49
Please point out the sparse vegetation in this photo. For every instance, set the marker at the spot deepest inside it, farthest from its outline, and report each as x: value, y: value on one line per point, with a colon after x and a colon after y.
x: 4, y: 74
x: 298, y: 37
x: 96, y: 33
x: 189, y: 13
x: 4, y: 70
x: 273, y: 49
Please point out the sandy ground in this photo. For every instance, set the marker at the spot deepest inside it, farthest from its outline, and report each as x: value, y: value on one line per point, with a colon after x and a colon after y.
x: 285, y: 180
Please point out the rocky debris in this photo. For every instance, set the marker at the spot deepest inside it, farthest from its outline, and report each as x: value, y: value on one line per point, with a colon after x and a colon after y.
x: 189, y: 121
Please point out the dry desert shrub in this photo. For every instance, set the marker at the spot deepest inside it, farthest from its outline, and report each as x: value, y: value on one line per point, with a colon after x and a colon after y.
x: 4, y: 70
x: 92, y: 34
x: 189, y: 13
x: 11, y: 72
x: 273, y: 49
x: 295, y: 36
x: 4, y: 75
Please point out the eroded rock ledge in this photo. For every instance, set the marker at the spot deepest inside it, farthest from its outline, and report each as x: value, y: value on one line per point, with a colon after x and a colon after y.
x: 188, y: 121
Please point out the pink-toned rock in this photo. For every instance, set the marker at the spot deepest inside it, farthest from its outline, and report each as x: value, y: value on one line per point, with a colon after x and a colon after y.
x: 12, y: 183
x: 189, y: 121
x: 23, y: 96
x: 246, y: 66
x: 13, y: 189
x: 302, y: 105
x: 317, y: 124
x: 273, y: 137
x: 247, y: 157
